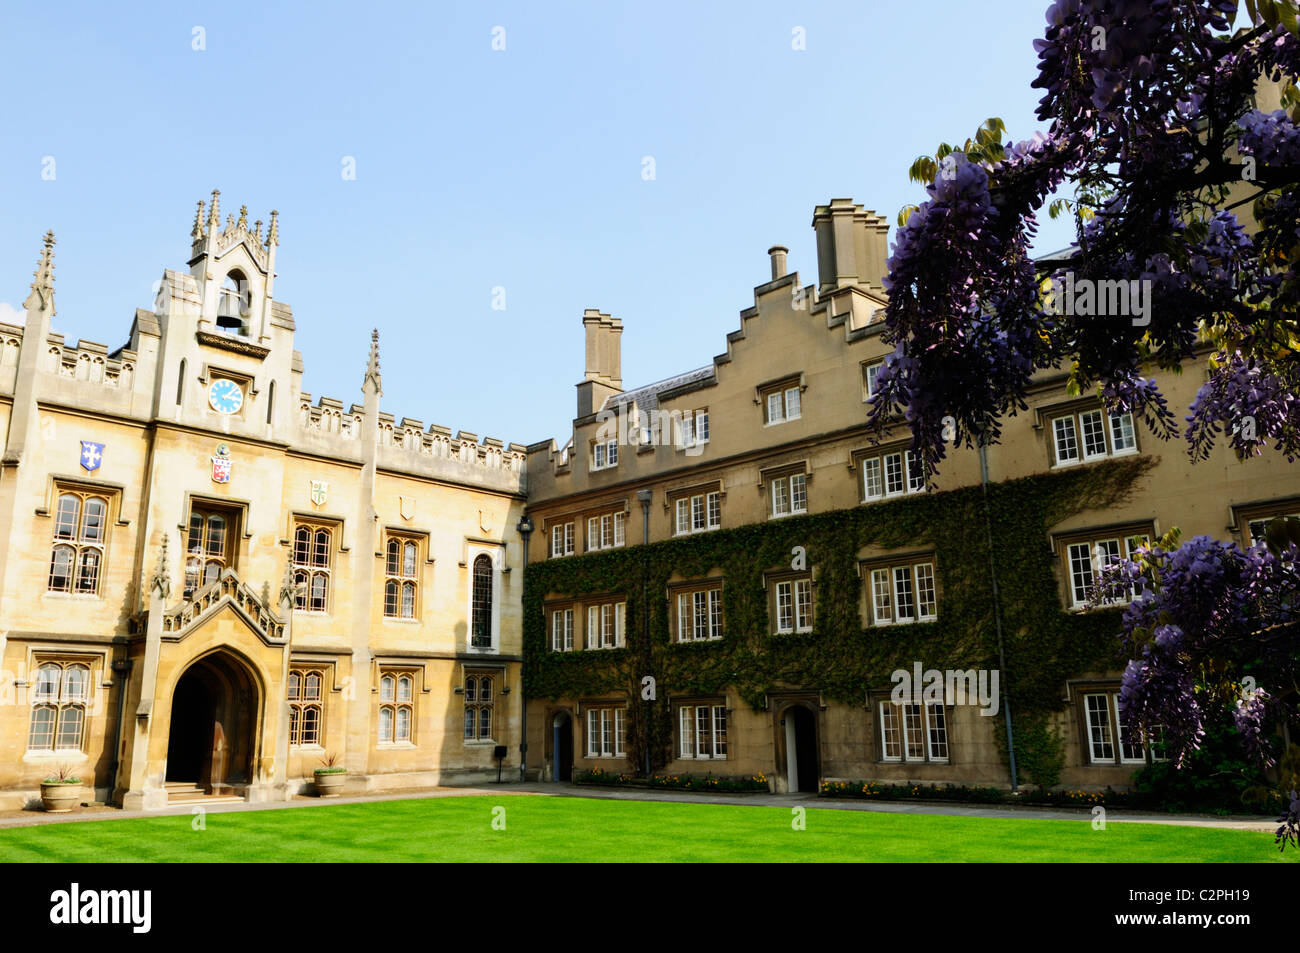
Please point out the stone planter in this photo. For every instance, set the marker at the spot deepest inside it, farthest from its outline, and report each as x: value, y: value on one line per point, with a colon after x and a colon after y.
x: 330, y: 784
x: 60, y: 797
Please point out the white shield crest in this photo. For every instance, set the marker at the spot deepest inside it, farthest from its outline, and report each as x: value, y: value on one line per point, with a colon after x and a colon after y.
x: 319, y: 491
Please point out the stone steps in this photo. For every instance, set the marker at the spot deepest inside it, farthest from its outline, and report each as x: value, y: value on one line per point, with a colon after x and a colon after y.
x: 183, y: 792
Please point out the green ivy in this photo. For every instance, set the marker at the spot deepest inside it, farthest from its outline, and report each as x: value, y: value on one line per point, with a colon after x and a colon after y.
x: 842, y: 658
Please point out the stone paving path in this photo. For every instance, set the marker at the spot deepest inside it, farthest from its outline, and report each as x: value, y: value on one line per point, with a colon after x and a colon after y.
x: 1114, y: 815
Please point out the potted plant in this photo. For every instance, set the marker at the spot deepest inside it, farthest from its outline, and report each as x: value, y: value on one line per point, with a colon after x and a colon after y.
x: 60, y: 792
x: 330, y: 778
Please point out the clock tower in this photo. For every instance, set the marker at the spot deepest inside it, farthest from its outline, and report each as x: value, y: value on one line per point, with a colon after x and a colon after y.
x: 227, y: 357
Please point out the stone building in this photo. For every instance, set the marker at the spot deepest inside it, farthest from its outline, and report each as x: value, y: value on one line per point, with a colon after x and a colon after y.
x: 210, y: 582
x: 768, y: 441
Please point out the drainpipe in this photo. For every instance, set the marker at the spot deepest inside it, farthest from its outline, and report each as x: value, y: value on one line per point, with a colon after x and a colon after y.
x: 644, y: 497
x: 122, y: 669
x: 997, y: 611
x: 525, y: 528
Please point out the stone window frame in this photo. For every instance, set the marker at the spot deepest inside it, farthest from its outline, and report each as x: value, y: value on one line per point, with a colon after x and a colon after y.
x: 61, y: 701
x: 415, y: 579
x: 314, y: 525
x: 768, y: 478
x: 301, y: 702
x: 1064, y: 545
x: 858, y: 460
x: 911, y: 560
x: 396, y: 704
x: 475, y: 705
x: 617, y: 605
x: 881, y: 702
x: 772, y: 582
x: 713, y: 705
x: 78, y: 543
x: 611, y: 718
x: 1047, y: 415
x: 708, y: 491
x: 689, y: 588
x: 1080, y: 693
x: 796, y: 383
x: 1242, y: 515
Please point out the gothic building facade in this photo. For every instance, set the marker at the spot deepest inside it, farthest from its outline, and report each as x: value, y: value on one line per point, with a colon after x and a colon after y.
x: 211, y: 583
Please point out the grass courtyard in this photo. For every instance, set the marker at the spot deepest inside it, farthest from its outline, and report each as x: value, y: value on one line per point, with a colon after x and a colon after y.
x: 582, y: 829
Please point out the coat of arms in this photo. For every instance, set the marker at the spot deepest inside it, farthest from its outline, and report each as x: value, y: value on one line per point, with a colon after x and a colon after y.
x: 221, y: 464
x: 91, y: 455
x: 319, y: 491
x: 406, y: 506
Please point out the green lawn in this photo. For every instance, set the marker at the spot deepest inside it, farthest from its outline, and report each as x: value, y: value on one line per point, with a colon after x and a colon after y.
x: 581, y: 829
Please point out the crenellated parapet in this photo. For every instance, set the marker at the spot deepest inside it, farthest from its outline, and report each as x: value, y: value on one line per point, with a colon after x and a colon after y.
x: 90, y: 362
x: 328, y: 417
x: 438, y: 443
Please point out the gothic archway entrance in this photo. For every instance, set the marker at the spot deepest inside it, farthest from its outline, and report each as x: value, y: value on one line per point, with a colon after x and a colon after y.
x: 212, y: 737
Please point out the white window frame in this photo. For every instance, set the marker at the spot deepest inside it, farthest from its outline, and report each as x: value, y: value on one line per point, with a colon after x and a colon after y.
x: 562, y: 539
x: 562, y: 630
x: 697, y: 513
x: 702, y: 732
x: 794, y: 606
x: 878, y: 468
x: 607, y: 731
x: 606, y: 531
x: 699, y: 614
x: 693, y: 430
x: 783, y: 404
x: 899, y: 725
x: 1083, y: 558
x: 885, y: 592
x: 1102, y: 710
x: 604, y: 454
x: 786, y: 491
x: 606, y: 625
x: 870, y: 374
x: 1069, y: 434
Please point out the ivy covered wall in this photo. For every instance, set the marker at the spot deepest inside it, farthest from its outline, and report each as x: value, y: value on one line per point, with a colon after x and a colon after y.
x: 842, y: 658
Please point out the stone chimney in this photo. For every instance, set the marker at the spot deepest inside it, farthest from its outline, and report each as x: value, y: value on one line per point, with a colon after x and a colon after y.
x: 851, y: 246
x: 778, y: 253
x: 603, y: 375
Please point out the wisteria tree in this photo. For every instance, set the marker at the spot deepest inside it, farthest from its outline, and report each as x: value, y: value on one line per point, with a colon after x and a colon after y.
x: 1181, y: 188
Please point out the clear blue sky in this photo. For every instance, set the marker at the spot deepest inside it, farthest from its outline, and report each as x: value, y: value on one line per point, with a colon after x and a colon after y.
x: 478, y: 168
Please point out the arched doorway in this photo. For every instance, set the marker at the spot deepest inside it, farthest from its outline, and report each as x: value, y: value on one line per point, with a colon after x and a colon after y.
x: 213, y: 733
x: 562, y: 747
x: 801, y: 770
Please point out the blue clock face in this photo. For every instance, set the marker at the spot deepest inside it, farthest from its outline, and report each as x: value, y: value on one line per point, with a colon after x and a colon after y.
x: 225, y: 396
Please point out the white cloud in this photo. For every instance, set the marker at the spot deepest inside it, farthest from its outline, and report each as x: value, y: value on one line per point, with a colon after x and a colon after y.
x: 11, y: 315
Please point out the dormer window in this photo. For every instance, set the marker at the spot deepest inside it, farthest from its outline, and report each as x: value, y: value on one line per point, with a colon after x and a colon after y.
x: 233, y: 305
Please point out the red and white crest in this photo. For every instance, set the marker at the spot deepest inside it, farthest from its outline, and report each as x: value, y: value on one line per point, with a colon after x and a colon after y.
x: 221, y: 464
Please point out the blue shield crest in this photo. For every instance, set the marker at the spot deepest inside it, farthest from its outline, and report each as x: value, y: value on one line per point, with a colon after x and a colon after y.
x: 92, y: 454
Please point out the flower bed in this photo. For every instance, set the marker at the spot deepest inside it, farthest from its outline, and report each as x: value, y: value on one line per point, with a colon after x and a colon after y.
x: 872, y: 790
x: 676, y: 782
